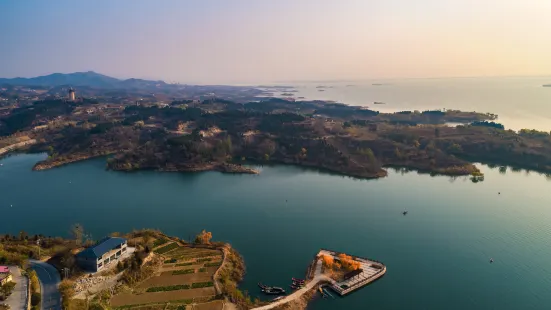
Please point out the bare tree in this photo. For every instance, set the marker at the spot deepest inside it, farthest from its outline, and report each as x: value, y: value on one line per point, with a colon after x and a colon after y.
x: 77, y: 231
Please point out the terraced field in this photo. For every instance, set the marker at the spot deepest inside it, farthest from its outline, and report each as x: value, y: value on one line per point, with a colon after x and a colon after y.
x: 185, y: 277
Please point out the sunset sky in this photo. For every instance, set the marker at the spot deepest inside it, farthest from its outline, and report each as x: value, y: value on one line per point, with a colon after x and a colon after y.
x: 237, y: 41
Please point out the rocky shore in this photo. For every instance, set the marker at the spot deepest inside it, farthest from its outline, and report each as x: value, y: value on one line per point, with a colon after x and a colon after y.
x: 64, y: 160
x: 221, y: 167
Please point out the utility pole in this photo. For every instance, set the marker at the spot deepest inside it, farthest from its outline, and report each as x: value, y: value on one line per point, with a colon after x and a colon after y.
x: 38, y: 244
x: 65, y: 273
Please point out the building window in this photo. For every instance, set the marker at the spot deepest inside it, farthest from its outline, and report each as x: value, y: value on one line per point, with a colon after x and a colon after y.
x: 124, y: 249
x: 112, y: 257
x: 106, y: 261
x: 99, y: 265
x: 118, y: 253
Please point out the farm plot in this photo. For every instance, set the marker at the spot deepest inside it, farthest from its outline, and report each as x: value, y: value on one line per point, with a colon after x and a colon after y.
x: 187, y: 273
x: 159, y: 297
x: 213, y: 305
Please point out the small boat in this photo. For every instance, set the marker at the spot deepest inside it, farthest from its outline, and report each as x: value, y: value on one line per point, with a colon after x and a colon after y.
x: 262, y: 286
x: 327, y: 292
x: 296, y: 287
x: 274, y: 291
x: 278, y: 298
x: 298, y: 280
x: 321, y: 291
x: 405, y: 212
x: 491, y: 260
x: 295, y: 283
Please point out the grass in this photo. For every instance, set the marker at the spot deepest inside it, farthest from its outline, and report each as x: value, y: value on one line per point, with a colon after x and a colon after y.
x: 166, y: 248
x: 184, y: 264
x: 168, y: 288
x: 170, y: 261
x: 203, y: 269
x: 202, y: 284
x: 212, y: 264
x: 183, y: 271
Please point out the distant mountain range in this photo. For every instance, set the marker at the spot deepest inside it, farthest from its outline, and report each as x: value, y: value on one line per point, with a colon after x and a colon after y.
x: 89, y: 79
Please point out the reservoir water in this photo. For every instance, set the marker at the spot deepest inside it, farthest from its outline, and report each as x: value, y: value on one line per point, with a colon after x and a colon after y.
x: 437, y: 256
x: 520, y: 102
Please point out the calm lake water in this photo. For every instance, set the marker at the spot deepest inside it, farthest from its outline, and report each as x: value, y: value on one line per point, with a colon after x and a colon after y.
x: 520, y: 102
x: 437, y: 256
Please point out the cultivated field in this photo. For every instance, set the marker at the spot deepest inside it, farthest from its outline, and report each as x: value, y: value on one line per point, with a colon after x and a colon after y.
x: 185, y: 277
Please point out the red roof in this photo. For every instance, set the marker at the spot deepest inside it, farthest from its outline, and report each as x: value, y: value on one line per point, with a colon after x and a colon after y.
x: 4, y: 269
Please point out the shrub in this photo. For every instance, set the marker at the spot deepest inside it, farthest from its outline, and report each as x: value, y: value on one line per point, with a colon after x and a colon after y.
x: 184, y: 264
x: 212, y: 264
x: 35, y: 299
x: 170, y: 261
x: 203, y: 269
x: 202, y: 284
x: 183, y: 271
x: 168, y: 288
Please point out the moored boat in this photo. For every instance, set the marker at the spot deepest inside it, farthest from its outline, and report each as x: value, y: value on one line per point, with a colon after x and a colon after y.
x: 274, y: 291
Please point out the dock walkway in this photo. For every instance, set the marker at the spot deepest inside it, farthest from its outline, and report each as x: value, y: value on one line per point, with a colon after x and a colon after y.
x: 318, y: 277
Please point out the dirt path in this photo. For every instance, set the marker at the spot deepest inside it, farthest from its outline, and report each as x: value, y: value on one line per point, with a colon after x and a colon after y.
x: 318, y: 277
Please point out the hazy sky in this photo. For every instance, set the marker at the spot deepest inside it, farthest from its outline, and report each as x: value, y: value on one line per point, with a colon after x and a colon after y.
x: 236, y: 41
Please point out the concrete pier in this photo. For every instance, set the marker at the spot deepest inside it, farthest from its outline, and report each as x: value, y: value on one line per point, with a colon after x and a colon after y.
x: 370, y: 271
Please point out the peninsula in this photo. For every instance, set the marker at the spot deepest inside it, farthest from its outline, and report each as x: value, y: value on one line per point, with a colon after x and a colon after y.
x: 194, y: 132
x: 144, y: 267
x: 147, y: 268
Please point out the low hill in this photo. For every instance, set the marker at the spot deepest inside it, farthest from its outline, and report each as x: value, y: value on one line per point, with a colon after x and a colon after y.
x: 89, y: 79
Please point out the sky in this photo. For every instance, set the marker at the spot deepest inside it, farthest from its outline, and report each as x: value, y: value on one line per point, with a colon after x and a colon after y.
x: 260, y: 41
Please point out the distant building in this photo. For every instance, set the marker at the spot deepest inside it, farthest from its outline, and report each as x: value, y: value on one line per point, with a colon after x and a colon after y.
x: 107, y: 251
x: 71, y: 94
x: 5, y: 275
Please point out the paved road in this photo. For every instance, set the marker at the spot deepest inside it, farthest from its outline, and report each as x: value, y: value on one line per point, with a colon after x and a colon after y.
x: 49, y: 281
x: 18, y: 298
x: 318, y: 277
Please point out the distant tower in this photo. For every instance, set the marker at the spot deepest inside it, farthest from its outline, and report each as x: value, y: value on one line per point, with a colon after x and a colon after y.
x: 71, y: 94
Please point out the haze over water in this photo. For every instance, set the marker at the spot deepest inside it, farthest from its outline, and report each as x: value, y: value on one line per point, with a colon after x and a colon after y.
x: 437, y: 256
x: 520, y: 102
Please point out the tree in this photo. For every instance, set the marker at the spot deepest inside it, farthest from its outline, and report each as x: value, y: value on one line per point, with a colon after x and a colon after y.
x: 455, y: 148
x: 328, y: 261
x: 23, y: 235
x: 348, y: 262
x: 7, y: 289
x: 77, y: 231
x: 204, y: 237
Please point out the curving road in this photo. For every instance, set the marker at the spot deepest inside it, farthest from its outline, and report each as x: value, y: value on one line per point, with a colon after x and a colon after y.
x: 49, y: 282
